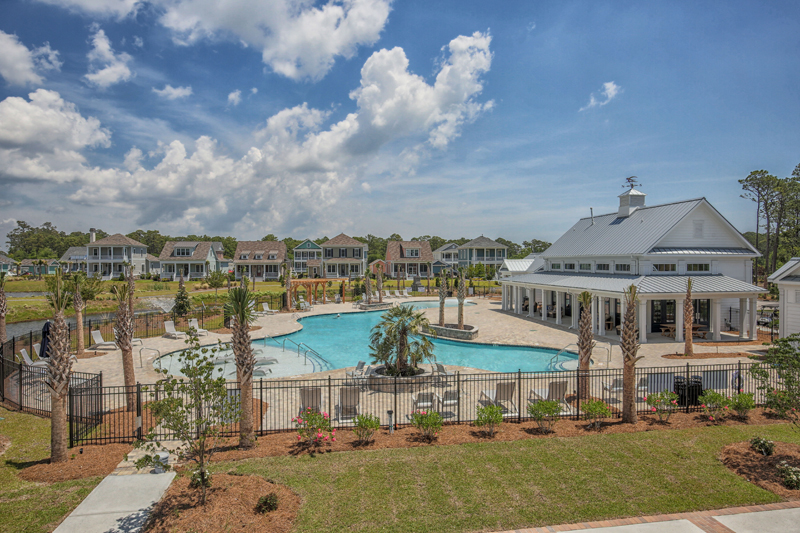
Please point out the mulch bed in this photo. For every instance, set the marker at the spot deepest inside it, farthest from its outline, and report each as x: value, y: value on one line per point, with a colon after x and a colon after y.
x: 708, y: 355
x: 89, y: 354
x: 5, y: 442
x: 94, y: 461
x: 761, y: 469
x: 230, y: 506
x: 229, y: 331
x: 283, y: 444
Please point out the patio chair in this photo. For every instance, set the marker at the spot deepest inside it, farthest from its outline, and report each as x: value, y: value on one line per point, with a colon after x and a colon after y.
x: 266, y: 309
x: 349, y: 404
x: 407, y: 293
x: 40, y: 363
x: 423, y: 401
x: 171, y: 332
x: 359, y: 369
x: 337, y: 299
x: 37, y: 349
x: 266, y: 360
x: 193, y: 324
x: 310, y: 398
x: 716, y: 379
x: 615, y: 388
x: 502, y: 394
x: 449, y: 398
x: 556, y: 390
x: 97, y: 339
x: 397, y: 294
x: 386, y: 294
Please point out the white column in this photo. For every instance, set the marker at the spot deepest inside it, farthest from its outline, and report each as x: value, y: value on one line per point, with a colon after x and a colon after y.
x: 558, y: 307
x: 576, y: 311
x: 518, y: 300
x: 601, y: 316
x: 716, y: 319
x: 643, y: 322
x: 753, y: 308
x: 594, y: 315
x: 612, y: 311
x: 679, y: 320
x: 531, y: 301
x: 743, y: 319
x: 504, y: 296
x: 543, y: 312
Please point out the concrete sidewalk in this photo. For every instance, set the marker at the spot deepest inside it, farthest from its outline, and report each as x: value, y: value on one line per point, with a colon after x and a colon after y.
x: 781, y: 517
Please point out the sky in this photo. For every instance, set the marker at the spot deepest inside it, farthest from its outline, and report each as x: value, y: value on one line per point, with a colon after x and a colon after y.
x: 451, y: 118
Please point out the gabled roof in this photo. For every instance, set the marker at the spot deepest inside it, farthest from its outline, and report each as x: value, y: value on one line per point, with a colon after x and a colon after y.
x: 782, y: 272
x: 701, y: 251
x: 253, y: 248
x: 6, y: 260
x: 118, y: 239
x: 75, y: 253
x: 483, y: 242
x: 344, y: 240
x: 448, y: 246
x: 199, y: 250
x: 377, y: 261
x: 29, y: 262
x: 517, y: 265
x: 152, y: 258
x: 396, y: 250
x: 308, y: 244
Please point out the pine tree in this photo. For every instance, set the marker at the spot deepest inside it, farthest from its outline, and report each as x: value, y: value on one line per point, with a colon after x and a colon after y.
x: 182, y: 303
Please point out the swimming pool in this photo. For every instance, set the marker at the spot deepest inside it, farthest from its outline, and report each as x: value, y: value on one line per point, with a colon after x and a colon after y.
x: 343, y: 340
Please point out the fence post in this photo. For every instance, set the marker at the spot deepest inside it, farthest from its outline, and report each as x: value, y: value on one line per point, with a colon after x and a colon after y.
x: 330, y: 411
x: 203, y: 316
x: 138, y: 411
x: 578, y: 395
x: 70, y: 417
x: 739, y: 379
x: 260, y: 403
x: 396, y: 414
x: 519, y: 395
x: 30, y: 342
x: 687, y: 387
x: 20, y: 369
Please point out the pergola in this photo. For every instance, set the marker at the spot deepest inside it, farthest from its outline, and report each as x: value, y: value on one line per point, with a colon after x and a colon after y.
x: 312, y: 284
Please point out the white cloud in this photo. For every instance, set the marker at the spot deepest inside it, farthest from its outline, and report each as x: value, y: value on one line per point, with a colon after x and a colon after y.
x: 297, y: 39
x: 138, y: 42
x: 253, y: 91
x: 298, y: 167
x: 173, y: 93
x: 21, y: 66
x: 235, y: 97
x: 609, y: 91
x: 105, y: 67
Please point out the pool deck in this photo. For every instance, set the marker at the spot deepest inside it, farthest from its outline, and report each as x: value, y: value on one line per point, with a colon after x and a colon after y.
x: 496, y: 327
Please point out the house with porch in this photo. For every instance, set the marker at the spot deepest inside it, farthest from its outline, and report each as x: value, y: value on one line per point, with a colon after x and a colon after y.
x: 344, y: 257
x: 373, y: 267
x: 407, y: 259
x: 108, y: 257
x: 7, y: 265
x: 482, y: 250
x: 195, y: 259
x: 787, y: 278
x: 153, y: 265
x: 33, y: 266
x: 259, y: 260
x: 445, y: 258
x: 657, y: 249
x: 307, y: 259
x: 74, y: 259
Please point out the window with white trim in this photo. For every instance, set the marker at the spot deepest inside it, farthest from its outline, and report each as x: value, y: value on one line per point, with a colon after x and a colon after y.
x: 259, y: 256
x: 328, y: 252
x: 357, y: 252
x: 622, y: 267
x: 555, y: 266
x: 412, y: 252
x: 664, y: 267
x: 698, y: 267
x: 602, y: 267
x: 331, y: 269
x: 243, y: 256
x: 342, y: 252
x: 569, y: 266
x: 183, y: 252
x: 585, y: 266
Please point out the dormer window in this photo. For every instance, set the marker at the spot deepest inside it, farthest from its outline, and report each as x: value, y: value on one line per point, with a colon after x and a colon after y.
x: 586, y: 267
x: 601, y: 266
x: 569, y: 266
x: 183, y: 252
x: 412, y: 252
x: 243, y: 256
x: 698, y: 267
x: 259, y: 256
x: 273, y: 256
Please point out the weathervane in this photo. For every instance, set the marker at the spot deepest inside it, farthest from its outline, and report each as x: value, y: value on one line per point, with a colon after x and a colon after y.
x: 632, y: 182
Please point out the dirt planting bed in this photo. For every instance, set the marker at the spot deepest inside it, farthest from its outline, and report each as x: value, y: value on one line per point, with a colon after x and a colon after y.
x: 94, y: 461
x: 230, y: 506
x: 761, y: 469
x: 710, y: 355
x: 283, y: 444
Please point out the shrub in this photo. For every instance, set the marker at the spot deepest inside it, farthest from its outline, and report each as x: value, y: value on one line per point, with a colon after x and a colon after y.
x: 595, y: 411
x: 489, y: 417
x: 200, y: 479
x: 742, y: 403
x: 790, y: 475
x: 778, y: 402
x: 366, y: 426
x: 429, y: 423
x: 546, y: 413
x: 267, y: 504
x: 663, y: 404
x: 762, y: 445
x: 314, y: 428
x: 715, y: 405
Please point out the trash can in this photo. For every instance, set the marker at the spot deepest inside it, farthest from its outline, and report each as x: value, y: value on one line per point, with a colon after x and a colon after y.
x: 161, y: 463
x: 688, y: 392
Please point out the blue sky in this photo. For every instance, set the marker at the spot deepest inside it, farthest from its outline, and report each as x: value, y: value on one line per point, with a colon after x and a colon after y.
x: 508, y: 119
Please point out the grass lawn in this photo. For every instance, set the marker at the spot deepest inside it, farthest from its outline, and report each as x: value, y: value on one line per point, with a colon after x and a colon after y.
x: 508, y: 485
x: 26, y: 506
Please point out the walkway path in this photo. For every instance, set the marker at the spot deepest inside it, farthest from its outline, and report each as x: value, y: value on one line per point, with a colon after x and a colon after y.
x: 121, y: 502
x: 781, y: 517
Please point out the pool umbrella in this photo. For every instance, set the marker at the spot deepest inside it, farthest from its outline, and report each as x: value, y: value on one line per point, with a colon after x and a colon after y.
x: 45, y: 340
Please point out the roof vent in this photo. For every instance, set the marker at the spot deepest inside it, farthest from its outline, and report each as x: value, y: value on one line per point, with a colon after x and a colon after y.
x: 630, y: 201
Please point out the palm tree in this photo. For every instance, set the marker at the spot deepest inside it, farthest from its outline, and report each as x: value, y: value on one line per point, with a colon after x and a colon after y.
x: 287, y: 280
x: 368, y: 289
x: 3, y: 308
x: 239, y: 306
x: 688, y: 320
x: 18, y: 264
x: 398, y: 342
x: 58, y: 371
x: 83, y: 289
x: 379, y: 282
x: 131, y: 287
x: 123, y: 331
x: 629, y: 346
x: 442, y: 296
x: 585, y: 343
x: 462, y: 295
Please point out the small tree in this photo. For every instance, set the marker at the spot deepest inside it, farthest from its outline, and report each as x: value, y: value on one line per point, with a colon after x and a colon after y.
x: 216, y: 280
x: 442, y: 296
x: 123, y: 331
x: 398, y: 342
x: 585, y: 343
x: 195, y: 409
x: 182, y: 303
x: 379, y: 282
x: 629, y: 346
x: 462, y: 295
x: 60, y: 367
x: 781, y: 365
x: 131, y: 291
x: 688, y: 320
x: 3, y: 308
x: 240, y: 306
x: 368, y: 290
x: 287, y: 279
x: 83, y: 289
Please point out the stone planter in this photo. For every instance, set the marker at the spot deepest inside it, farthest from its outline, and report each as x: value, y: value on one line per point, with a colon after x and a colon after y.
x: 375, y: 306
x: 381, y: 383
x: 451, y: 331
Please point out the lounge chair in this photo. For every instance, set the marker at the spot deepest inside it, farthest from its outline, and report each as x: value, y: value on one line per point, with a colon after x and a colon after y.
x: 97, y: 338
x: 386, y: 294
x: 337, y: 299
x: 198, y: 330
x: 266, y: 360
x: 424, y: 401
x: 407, y: 294
x: 171, y: 332
x: 37, y: 348
x: 449, y: 398
x: 266, y: 309
x: 442, y: 371
x: 556, y: 390
x: 503, y: 397
x: 359, y: 369
x: 134, y: 340
x: 348, y: 407
x: 615, y: 388
x: 310, y: 398
x: 41, y: 363
x: 397, y: 294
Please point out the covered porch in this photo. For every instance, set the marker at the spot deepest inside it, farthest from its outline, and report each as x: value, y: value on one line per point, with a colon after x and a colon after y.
x: 190, y: 270
x: 258, y: 271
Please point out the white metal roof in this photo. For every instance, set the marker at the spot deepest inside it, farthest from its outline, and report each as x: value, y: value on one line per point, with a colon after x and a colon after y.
x: 701, y: 251
x: 516, y: 265
x: 784, y: 270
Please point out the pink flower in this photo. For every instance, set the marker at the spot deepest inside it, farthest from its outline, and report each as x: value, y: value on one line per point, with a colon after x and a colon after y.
x: 703, y: 406
x: 711, y: 418
x: 645, y: 398
x: 298, y: 437
x: 319, y: 435
x: 325, y: 415
x: 653, y: 409
x: 334, y: 439
x: 326, y: 438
